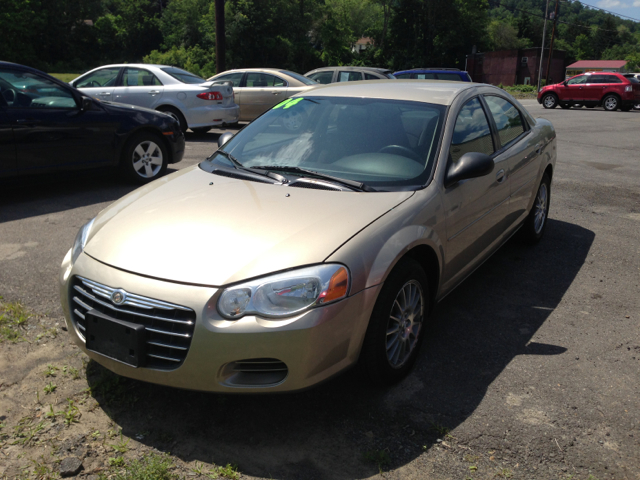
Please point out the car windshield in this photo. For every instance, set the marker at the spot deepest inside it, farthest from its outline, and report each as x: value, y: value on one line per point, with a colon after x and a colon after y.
x: 182, y: 75
x: 300, y: 78
x: 386, y: 144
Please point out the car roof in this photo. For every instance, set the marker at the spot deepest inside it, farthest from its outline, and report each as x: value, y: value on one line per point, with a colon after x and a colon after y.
x: 369, y: 69
x: 431, y: 70
x: 268, y: 70
x: 428, y: 91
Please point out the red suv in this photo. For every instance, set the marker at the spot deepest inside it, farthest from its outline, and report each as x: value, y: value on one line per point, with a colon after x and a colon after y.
x: 610, y: 90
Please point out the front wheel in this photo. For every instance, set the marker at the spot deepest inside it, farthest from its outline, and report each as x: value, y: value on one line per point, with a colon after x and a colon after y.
x: 536, y: 222
x: 144, y: 158
x: 397, y: 324
x: 550, y: 101
x: 611, y: 103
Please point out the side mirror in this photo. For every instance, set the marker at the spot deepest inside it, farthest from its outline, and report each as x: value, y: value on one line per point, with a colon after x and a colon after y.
x: 87, y: 104
x: 224, y: 138
x: 469, y: 165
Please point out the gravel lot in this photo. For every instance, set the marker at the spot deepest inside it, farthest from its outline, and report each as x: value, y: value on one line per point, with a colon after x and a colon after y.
x: 531, y: 370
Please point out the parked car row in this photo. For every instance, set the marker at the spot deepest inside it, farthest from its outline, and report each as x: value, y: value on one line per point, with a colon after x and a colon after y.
x: 610, y: 90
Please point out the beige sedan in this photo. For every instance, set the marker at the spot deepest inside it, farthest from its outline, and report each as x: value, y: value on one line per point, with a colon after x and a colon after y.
x: 297, y: 253
x: 258, y: 89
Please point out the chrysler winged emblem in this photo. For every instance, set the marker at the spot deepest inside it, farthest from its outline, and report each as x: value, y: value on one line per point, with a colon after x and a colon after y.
x: 118, y: 296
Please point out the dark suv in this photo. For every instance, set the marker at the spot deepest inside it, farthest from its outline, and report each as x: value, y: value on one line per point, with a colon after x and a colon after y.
x: 607, y: 89
x: 451, y: 74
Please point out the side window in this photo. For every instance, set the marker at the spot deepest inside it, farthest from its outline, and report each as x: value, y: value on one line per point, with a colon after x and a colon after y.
x: 23, y: 89
x: 368, y: 76
x: 404, y: 75
x: 105, y: 77
x: 349, y: 76
x: 136, y: 77
x: 425, y: 76
x: 472, y: 132
x: 577, y: 80
x: 257, y: 79
x: 322, y: 77
x: 612, y: 79
x: 236, y: 78
x: 506, y: 117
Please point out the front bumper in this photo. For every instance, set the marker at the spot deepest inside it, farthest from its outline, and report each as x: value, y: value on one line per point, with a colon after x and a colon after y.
x: 315, y: 346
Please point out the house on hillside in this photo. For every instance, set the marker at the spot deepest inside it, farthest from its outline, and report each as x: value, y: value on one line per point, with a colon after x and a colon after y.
x: 581, y: 66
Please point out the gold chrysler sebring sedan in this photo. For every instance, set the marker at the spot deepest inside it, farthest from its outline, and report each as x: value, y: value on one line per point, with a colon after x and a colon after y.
x: 299, y: 252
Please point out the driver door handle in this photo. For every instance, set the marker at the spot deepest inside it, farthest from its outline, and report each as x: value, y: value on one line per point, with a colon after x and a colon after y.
x: 539, y: 148
x: 500, y: 176
x: 105, y: 93
x: 154, y: 92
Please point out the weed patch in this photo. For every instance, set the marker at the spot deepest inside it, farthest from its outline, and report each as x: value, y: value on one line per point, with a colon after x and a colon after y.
x: 13, y: 318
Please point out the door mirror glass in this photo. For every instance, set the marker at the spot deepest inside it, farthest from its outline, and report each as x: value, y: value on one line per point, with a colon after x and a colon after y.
x: 224, y: 138
x: 87, y: 104
x: 469, y: 165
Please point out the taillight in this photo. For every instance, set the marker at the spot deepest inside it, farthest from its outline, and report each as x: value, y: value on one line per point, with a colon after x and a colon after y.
x: 628, y: 88
x: 210, y: 96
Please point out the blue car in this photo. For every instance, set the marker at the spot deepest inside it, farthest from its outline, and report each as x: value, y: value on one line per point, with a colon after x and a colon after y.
x: 451, y: 74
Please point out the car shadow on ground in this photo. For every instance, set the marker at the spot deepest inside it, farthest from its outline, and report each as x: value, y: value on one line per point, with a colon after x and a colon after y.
x: 345, y: 428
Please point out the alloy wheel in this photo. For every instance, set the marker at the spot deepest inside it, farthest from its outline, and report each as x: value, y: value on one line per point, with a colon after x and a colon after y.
x: 549, y: 101
x: 541, y: 209
x: 611, y: 103
x: 147, y: 159
x: 405, y: 323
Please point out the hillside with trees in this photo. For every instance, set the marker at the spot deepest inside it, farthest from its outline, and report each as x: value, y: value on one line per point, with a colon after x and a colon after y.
x: 72, y: 35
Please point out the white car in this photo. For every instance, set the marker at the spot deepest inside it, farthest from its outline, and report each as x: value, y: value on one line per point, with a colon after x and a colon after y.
x: 196, y: 103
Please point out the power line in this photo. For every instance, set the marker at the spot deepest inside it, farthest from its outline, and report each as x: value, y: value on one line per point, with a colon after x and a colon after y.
x: 598, y: 8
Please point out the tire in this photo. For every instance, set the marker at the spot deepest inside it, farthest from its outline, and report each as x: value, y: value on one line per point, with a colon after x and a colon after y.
x: 387, y: 358
x: 144, y: 158
x: 565, y: 106
x: 201, y: 130
x: 611, y: 103
x: 536, y: 222
x: 177, y: 114
x: 549, y: 101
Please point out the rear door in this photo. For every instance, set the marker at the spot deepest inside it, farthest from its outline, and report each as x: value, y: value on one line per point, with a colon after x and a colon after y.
x: 261, y: 92
x: 594, y: 88
x: 347, y: 76
x: 99, y: 84
x: 138, y: 86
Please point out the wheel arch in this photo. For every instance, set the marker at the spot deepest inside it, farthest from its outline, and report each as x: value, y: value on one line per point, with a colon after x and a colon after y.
x: 427, y: 258
x: 607, y: 94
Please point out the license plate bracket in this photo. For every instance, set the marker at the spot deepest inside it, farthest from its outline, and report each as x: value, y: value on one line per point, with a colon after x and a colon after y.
x: 117, y: 339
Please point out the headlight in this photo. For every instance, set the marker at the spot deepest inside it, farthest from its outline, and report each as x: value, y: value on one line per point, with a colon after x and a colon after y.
x: 81, y: 240
x: 285, y: 294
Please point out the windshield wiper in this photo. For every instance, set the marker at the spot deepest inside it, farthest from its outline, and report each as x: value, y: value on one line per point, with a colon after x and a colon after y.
x: 239, y: 166
x: 343, y: 181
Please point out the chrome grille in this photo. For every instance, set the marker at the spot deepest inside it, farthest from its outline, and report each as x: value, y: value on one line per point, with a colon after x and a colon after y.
x: 168, y: 327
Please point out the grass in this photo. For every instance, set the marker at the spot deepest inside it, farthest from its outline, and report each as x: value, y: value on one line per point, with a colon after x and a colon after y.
x: 122, y: 446
x: 150, y: 467
x: 65, y: 77
x: 50, y: 388
x: 380, y: 458
x: 13, y: 318
x: 50, y: 371
x: 71, y: 414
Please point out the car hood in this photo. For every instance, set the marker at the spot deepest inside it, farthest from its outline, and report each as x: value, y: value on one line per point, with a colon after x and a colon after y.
x: 200, y: 228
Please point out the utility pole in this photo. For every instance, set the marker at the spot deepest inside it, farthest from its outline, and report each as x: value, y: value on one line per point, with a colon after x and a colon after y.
x: 220, y: 40
x: 553, y: 33
x: 544, y: 33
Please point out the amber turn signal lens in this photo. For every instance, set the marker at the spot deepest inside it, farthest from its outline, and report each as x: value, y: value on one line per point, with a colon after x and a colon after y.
x: 337, y: 286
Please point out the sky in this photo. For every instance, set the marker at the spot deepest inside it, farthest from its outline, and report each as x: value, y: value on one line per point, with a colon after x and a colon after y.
x: 630, y: 8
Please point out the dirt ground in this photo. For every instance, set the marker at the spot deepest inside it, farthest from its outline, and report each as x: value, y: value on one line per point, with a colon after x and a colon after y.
x: 531, y: 369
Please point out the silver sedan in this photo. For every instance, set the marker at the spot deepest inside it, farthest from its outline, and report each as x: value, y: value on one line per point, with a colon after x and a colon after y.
x: 304, y: 251
x: 196, y: 103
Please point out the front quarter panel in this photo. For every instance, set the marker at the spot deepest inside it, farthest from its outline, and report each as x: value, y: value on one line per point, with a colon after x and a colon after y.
x: 374, y: 251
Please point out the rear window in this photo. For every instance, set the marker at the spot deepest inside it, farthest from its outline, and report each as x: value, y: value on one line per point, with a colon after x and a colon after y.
x: 633, y: 79
x: 182, y: 75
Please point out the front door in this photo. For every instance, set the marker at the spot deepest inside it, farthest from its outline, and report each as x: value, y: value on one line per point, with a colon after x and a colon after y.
x: 475, y: 209
x: 138, y: 86
x: 99, y: 84
x: 49, y: 128
x: 573, y: 90
x: 261, y: 92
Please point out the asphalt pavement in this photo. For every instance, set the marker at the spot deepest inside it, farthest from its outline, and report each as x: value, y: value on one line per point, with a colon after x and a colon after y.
x: 534, y: 361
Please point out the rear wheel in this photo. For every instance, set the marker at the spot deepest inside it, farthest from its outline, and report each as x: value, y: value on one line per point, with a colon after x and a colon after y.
x: 536, y: 222
x: 175, y: 113
x: 549, y: 101
x: 144, y: 158
x: 611, y: 103
x: 397, y: 324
